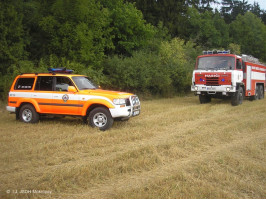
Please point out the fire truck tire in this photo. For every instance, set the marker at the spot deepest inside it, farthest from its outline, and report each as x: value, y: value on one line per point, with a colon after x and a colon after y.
x: 101, y: 118
x: 256, y: 96
x: 238, y: 97
x: 261, y: 92
x: 28, y: 114
x: 204, y: 99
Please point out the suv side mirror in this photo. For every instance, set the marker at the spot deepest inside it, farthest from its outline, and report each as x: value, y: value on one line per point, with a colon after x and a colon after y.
x: 71, y: 89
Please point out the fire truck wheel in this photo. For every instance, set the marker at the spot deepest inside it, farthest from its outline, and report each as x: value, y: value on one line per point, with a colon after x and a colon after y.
x: 261, y: 92
x: 238, y: 97
x: 28, y: 114
x: 204, y: 99
x: 101, y: 118
x: 256, y: 96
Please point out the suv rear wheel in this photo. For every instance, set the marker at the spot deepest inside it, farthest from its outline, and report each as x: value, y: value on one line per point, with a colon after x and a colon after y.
x: 28, y: 114
x: 101, y: 118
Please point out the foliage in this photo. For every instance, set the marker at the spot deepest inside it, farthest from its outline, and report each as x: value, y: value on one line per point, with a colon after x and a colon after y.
x: 208, y: 29
x: 12, y: 42
x: 146, y: 46
x: 166, y: 72
x: 249, y: 31
x: 234, y: 48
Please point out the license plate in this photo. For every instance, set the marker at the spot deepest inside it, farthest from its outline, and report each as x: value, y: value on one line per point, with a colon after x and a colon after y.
x: 209, y: 88
x: 136, y: 113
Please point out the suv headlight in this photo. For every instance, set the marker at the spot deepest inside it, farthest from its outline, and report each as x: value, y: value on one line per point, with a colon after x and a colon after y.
x: 119, y: 101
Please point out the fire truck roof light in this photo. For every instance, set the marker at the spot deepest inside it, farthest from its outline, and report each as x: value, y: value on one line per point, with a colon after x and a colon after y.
x: 216, y: 52
x: 60, y: 70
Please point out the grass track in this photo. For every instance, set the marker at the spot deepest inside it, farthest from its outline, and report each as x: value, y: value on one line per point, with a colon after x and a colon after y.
x: 176, y: 148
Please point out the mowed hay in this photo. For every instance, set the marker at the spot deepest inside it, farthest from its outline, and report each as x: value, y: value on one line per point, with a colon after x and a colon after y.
x: 176, y: 148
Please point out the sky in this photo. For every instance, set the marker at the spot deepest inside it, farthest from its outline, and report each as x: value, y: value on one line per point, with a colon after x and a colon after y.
x: 262, y: 3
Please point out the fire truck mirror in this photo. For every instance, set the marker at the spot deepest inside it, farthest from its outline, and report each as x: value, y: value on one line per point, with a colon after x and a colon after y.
x: 238, y: 64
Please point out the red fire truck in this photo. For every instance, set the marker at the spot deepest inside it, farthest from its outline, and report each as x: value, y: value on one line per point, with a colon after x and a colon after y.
x: 219, y: 74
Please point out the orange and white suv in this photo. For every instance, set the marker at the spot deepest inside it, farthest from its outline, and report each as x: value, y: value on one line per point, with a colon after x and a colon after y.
x: 60, y: 92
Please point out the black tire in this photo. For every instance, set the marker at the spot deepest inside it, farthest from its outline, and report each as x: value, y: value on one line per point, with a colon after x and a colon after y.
x: 204, y: 99
x: 238, y: 97
x: 256, y: 96
x: 101, y: 118
x: 261, y: 92
x: 28, y: 114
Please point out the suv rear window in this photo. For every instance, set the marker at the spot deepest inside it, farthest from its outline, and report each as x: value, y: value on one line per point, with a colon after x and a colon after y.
x: 24, y: 84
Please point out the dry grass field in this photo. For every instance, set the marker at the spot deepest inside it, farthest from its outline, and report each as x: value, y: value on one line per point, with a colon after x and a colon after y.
x: 176, y: 148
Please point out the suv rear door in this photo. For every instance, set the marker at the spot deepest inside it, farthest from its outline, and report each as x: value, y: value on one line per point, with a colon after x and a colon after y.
x: 43, y: 93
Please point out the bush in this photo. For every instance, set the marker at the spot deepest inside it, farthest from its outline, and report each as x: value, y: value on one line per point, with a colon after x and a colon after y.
x: 166, y: 72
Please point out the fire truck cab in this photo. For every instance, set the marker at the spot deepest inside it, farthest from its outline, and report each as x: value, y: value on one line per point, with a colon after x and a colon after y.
x: 219, y: 74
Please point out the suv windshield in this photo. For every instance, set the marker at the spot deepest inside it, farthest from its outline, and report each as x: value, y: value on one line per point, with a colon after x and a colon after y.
x: 216, y: 62
x: 83, y: 83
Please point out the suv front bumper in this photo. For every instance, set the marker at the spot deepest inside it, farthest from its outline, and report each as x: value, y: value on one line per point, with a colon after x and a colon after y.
x: 131, y: 110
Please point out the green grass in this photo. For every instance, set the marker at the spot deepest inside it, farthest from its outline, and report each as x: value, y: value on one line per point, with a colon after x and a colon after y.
x: 176, y: 148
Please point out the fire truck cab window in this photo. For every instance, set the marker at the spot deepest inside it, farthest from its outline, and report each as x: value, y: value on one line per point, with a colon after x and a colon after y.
x: 216, y: 63
x: 238, y: 64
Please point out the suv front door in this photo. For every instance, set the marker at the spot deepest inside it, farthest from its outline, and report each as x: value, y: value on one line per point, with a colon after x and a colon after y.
x: 65, y: 102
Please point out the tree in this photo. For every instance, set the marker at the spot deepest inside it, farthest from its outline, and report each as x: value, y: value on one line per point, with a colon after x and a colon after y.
x: 249, y: 32
x: 12, y: 41
x: 208, y: 29
x: 232, y: 8
x: 129, y: 30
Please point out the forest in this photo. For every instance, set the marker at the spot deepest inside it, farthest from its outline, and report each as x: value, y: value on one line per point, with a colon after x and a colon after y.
x: 144, y: 46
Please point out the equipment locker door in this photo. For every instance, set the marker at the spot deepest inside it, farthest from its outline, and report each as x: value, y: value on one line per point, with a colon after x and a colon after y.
x: 248, y: 75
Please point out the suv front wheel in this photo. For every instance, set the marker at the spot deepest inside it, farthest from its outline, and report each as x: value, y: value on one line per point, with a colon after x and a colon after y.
x: 28, y: 114
x: 101, y: 118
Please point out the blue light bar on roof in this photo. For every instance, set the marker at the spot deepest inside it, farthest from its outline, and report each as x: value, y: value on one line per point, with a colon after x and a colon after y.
x: 60, y: 70
x: 216, y: 52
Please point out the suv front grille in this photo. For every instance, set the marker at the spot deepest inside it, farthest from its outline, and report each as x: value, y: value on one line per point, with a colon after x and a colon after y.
x: 127, y: 102
x: 212, y: 81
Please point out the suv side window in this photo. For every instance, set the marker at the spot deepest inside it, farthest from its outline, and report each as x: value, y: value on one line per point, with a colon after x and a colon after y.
x: 44, y: 83
x: 62, y: 83
x: 24, y: 84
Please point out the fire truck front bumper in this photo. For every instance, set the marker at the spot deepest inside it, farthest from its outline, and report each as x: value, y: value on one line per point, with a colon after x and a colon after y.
x: 224, y: 90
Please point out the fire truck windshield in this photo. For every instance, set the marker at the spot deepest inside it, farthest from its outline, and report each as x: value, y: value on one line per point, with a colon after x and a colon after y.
x: 216, y: 63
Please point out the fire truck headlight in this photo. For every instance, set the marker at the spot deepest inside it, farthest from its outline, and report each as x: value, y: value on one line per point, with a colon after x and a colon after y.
x: 228, y: 89
x: 196, y: 88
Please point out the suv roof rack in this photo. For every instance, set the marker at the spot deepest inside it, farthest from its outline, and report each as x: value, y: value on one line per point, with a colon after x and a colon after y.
x: 54, y: 71
x: 36, y: 73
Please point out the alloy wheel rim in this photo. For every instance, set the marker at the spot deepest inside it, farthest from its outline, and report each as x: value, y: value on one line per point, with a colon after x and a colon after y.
x: 100, y: 120
x: 27, y: 115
